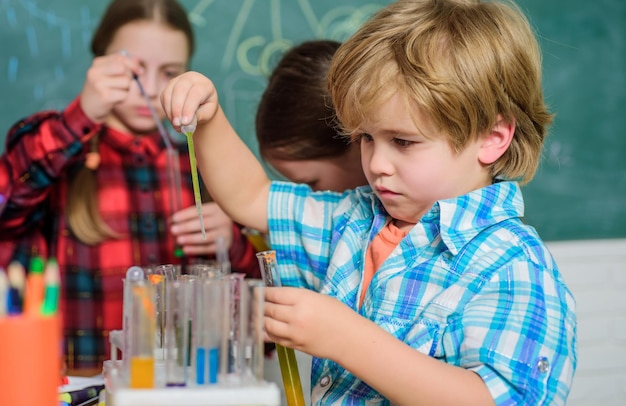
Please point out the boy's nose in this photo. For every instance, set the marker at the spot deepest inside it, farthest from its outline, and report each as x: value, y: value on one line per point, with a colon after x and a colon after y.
x: 379, y: 161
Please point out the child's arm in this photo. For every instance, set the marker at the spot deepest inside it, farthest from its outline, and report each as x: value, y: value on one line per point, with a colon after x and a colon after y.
x: 324, y: 327
x: 232, y: 174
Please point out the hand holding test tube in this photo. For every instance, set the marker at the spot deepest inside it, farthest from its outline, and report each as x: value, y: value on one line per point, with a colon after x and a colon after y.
x: 286, y: 356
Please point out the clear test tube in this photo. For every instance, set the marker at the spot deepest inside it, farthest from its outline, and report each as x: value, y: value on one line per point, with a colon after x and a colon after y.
x: 189, y: 281
x: 207, y: 327
x: 269, y: 268
x: 253, y: 295
x: 158, y: 276
x: 210, y: 269
x: 177, y: 333
x: 286, y: 356
x: 134, y: 274
x: 221, y: 254
x: 169, y: 271
x: 141, y: 325
x: 233, y: 343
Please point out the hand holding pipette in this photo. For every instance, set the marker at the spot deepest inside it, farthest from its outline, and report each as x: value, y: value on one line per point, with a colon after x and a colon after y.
x: 107, y: 84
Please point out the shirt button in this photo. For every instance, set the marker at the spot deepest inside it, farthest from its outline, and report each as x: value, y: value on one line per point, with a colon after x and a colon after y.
x: 325, y: 381
x: 543, y: 365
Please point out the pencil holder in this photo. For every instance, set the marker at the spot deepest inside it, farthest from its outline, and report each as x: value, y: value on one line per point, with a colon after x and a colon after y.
x: 30, y: 360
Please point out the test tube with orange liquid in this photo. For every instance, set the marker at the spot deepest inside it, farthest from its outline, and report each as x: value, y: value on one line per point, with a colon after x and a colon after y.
x: 142, y: 326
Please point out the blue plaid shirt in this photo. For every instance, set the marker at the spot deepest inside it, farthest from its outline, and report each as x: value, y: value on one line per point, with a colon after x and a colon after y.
x: 470, y: 285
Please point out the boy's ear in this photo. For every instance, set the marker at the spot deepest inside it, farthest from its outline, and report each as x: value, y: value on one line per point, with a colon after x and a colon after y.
x: 497, y: 141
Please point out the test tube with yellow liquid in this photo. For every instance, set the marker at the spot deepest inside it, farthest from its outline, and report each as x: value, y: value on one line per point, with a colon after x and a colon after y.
x: 286, y: 356
x: 142, y: 326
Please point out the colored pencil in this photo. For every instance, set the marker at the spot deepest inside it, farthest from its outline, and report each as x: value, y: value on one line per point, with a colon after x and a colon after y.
x: 52, y: 281
x: 35, y: 287
x: 17, y: 281
x: 4, y: 292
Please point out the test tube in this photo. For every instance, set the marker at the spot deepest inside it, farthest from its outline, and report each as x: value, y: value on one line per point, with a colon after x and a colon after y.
x: 233, y: 362
x: 253, y: 291
x: 158, y: 277
x: 134, y: 274
x: 286, y: 356
x: 207, y: 327
x: 189, y: 281
x: 242, y: 342
x: 211, y: 269
x: 141, y: 325
x: 177, y: 332
x: 221, y: 254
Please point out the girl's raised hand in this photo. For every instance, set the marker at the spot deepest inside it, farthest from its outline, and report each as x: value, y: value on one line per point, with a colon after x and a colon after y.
x: 188, y: 95
x: 107, y: 83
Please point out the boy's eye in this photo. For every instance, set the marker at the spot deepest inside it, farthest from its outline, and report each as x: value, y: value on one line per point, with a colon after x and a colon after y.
x: 402, y: 143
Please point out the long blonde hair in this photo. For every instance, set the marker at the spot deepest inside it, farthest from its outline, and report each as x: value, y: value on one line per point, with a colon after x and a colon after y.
x: 83, y: 214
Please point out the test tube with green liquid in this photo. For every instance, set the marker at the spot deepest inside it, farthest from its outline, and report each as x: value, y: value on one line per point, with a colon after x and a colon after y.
x: 286, y: 356
x: 188, y: 130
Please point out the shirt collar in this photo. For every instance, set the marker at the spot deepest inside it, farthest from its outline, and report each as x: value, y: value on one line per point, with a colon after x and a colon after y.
x: 150, y: 144
x: 464, y: 217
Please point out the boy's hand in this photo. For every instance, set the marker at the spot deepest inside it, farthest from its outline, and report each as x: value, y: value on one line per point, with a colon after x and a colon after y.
x: 108, y: 82
x: 188, y: 95
x: 307, y: 321
x: 186, y: 228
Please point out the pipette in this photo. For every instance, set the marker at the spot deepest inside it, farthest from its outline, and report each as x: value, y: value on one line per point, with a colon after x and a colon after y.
x: 172, y: 162
x: 188, y: 130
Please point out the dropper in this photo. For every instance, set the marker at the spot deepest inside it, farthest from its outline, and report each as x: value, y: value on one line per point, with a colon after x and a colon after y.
x: 188, y: 130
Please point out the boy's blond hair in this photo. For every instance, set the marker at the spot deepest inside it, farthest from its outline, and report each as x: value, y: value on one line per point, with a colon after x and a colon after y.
x: 460, y: 62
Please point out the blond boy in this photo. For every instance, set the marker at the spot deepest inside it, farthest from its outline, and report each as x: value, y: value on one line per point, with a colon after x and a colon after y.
x: 424, y: 288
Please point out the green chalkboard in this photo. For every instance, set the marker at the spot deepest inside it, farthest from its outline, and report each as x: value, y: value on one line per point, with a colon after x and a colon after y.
x: 580, y: 189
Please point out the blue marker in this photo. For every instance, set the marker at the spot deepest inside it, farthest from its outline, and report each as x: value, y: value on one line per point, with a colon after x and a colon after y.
x: 15, y: 294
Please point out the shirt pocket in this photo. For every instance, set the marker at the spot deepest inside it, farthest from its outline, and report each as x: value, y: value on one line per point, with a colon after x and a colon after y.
x: 412, y: 324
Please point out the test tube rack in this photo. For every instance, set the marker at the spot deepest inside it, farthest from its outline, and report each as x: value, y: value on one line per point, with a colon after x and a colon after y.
x: 118, y: 394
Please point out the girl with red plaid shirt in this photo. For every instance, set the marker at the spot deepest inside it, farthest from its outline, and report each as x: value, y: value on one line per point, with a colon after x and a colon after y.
x: 89, y: 185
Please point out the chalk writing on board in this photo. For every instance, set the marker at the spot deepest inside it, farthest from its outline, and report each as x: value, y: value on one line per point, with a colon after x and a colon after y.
x: 337, y: 22
x: 257, y: 34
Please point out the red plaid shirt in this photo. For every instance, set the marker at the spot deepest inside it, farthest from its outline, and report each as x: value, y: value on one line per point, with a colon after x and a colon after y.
x: 42, y: 153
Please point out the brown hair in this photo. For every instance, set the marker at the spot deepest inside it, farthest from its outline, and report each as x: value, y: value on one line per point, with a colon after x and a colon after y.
x: 82, y: 205
x: 461, y: 62
x: 293, y: 119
